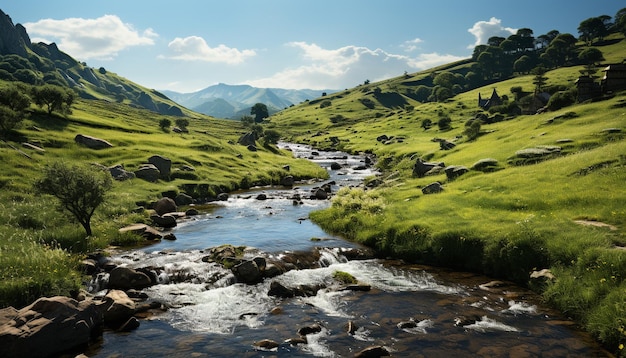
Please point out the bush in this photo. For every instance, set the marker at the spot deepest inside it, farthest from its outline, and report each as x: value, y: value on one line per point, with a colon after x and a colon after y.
x: 561, y: 99
x: 165, y: 124
x: 444, y: 123
x: 326, y: 103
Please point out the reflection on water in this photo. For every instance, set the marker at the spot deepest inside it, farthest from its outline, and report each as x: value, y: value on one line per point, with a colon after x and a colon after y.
x: 413, y: 311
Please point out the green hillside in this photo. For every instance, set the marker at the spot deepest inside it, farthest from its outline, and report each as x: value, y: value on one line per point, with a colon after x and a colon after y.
x: 563, y: 211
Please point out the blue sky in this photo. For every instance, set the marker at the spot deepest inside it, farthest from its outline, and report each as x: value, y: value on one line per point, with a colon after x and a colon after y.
x: 188, y: 45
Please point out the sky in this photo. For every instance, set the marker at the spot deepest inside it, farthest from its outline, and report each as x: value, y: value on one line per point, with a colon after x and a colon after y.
x: 188, y: 45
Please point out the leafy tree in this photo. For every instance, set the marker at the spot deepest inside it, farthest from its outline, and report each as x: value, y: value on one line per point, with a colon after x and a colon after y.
x: 445, y: 79
x: 165, y: 124
x: 444, y: 123
x: 593, y: 28
x: 260, y: 112
x: 270, y: 136
x: 182, y: 123
x: 15, y: 97
x: 54, y: 98
x: 472, y: 129
x: 79, y: 189
x: 590, y: 57
x: 523, y: 64
x: 9, y: 119
x: 620, y: 21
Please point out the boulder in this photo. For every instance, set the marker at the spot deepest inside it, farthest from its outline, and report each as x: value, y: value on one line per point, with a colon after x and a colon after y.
x: 421, y: 168
x: 455, y: 171
x: 312, y: 329
x: 320, y: 194
x: 163, y: 164
x: 247, y: 272
x: 117, y: 307
x: 148, y: 172
x: 335, y: 166
x: 288, y: 180
x: 125, y: 278
x: 432, y: 188
x: 144, y: 230
x: 119, y: 173
x: 165, y: 205
x: 248, y: 139
x: 183, y: 199
x: 486, y: 165
x: 222, y: 196
x: 166, y: 221
x: 92, y: 142
x: 47, y: 327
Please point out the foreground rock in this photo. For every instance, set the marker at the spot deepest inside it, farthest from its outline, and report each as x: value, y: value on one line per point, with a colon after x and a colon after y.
x: 47, y: 327
x: 92, y: 142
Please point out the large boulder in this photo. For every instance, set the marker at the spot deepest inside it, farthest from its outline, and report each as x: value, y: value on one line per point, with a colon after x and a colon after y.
x: 248, y: 139
x: 117, y: 307
x: 163, y: 164
x: 165, y: 205
x: 166, y: 221
x: 125, y: 278
x: 455, y: 171
x: 47, y: 327
x: 432, y: 188
x: 421, y: 168
x: 92, y: 142
x: 148, y: 172
x: 119, y: 173
x: 248, y: 272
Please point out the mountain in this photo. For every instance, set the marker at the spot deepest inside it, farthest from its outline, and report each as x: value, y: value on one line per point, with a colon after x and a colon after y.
x: 233, y: 101
x: 40, y: 63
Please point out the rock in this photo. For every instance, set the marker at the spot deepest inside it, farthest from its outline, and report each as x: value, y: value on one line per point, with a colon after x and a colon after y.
x: 247, y: 272
x: 320, y: 194
x: 351, y: 327
x: 373, y: 352
x: 169, y: 237
x: 165, y: 205
x: 543, y: 274
x: 222, y: 196
x: 277, y: 289
x: 125, y: 278
x: 335, y: 166
x: 148, y: 172
x: 119, y: 173
x: 248, y: 139
x: 382, y: 138
x: 287, y: 181
x: 267, y: 344
x: 165, y: 221
x: 486, y: 165
x: 421, y: 168
x: 192, y: 212
x: 312, y: 329
x: 117, y: 307
x: 163, y: 164
x: 130, y: 325
x: 432, y: 188
x: 47, y: 327
x: 144, y: 230
x: 261, y: 196
x: 183, y: 199
x: 89, y: 266
x: 455, y: 171
x: 252, y: 148
x: 92, y: 142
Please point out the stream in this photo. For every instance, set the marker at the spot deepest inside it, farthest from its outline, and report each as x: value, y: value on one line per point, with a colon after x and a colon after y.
x: 410, y: 310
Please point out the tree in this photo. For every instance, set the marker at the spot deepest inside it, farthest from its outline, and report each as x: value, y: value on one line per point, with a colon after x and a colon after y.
x: 271, y: 136
x: 620, y: 21
x: 165, y: 124
x: 472, y: 129
x: 590, y: 57
x: 54, y: 98
x: 260, y: 112
x: 182, y: 123
x: 79, y: 189
x: 539, y: 80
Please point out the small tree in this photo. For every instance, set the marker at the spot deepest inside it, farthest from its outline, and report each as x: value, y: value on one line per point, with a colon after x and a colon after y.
x: 54, y: 98
x: 271, y: 136
x: 80, y: 189
x: 260, y: 112
x: 165, y: 124
x: 182, y: 123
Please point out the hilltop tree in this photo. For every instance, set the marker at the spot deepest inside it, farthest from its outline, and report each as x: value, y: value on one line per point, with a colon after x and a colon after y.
x: 593, y: 28
x: 79, y: 189
x: 260, y: 112
x: 54, y: 98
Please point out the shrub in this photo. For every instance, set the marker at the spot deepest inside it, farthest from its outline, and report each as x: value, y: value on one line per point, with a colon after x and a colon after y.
x: 562, y: 99
x: 165, y: 124
x: 326, y: 103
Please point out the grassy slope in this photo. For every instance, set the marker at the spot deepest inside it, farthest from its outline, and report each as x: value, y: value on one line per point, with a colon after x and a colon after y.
x: 28, y: 269
x: 505, y: 223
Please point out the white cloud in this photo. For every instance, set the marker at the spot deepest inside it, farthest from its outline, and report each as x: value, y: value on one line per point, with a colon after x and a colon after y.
x: 100, y: 38
x: 411, y: 45
x: 194, y: 48
x: 483, y: 30
x: 346, y: 67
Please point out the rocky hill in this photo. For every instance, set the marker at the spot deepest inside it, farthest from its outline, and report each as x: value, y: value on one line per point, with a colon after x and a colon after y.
x: 40, y: 63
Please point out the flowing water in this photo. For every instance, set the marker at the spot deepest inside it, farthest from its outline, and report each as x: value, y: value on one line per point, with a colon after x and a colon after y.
x: 411, y: 310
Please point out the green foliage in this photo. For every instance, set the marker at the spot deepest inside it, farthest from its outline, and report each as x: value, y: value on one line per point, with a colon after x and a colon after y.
x: 562, y: 99
x: 472, y: 129
x: 80, y: 190
x: 260, y: 112
x: 53, y: 98
x: 444, y: 123
x: 165, y: 124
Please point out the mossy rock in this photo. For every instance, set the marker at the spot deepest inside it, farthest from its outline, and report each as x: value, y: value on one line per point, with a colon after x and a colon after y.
x: 486, y: 165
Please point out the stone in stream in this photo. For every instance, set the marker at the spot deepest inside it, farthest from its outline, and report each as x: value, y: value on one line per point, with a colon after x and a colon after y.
x: 373, y: 352
x: 266, y: 344
x: 312, y: 329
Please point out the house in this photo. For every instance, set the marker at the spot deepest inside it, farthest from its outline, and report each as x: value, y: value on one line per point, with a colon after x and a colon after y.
x: 494, y: 100
x: 614, y: 79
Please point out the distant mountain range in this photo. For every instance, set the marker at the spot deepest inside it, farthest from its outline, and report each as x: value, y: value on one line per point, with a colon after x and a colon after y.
x: 233, y: 101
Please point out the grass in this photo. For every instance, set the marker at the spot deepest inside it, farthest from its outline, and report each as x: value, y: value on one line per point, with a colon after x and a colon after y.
x: 505, y: 223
